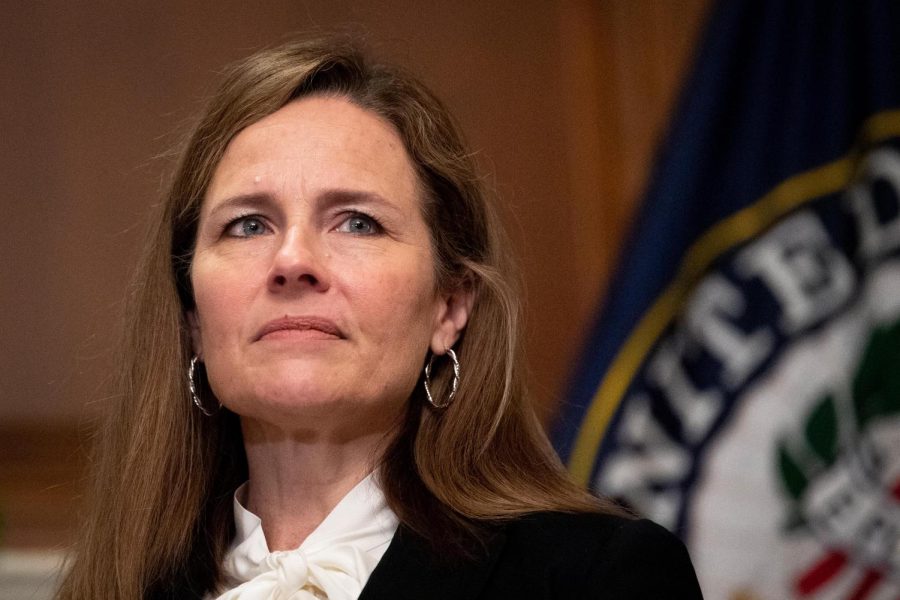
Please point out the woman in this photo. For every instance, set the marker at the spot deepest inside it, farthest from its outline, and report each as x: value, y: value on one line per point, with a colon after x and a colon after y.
x: 330, y: 272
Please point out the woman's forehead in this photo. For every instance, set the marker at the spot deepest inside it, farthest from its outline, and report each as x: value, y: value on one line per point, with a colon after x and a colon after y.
x: 314, y: 142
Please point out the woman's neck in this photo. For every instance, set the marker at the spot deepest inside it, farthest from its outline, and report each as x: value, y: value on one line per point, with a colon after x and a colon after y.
x: 296, y: 479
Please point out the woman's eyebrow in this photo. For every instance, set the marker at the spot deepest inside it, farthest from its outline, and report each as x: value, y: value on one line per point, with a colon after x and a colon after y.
x: 338, y: 196
x: 253, y: 200
x: 324, y: 200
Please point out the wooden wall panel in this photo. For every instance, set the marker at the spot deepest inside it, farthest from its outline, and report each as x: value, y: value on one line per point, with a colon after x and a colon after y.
x: 623, y: 65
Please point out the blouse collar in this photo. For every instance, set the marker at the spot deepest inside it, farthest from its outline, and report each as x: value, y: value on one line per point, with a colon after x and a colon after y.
x: 340, y: 554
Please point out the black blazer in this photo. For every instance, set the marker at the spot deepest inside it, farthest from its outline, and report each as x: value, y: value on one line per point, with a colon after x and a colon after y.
x: 544, y: 556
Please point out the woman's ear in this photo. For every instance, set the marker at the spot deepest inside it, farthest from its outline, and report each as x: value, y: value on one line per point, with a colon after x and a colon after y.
x: 196, y: 339
x: 454, y: 309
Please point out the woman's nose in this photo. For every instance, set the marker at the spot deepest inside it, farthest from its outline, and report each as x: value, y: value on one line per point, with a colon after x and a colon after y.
x: 298, y: 264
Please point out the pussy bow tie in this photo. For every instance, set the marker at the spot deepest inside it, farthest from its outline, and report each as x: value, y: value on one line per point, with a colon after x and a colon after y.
x: 333, y: 573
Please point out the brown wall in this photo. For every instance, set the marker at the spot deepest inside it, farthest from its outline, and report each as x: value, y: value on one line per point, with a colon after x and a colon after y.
x: 564, y: 101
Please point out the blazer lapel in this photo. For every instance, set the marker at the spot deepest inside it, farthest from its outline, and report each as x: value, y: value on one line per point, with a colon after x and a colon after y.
x: 410, y: 571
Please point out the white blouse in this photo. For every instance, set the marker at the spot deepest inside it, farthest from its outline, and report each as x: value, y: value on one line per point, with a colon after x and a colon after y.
x: 334, y: 562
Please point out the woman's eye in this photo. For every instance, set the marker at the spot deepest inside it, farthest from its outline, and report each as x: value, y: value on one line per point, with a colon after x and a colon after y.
x: 360, y: 224
x: 246, y: 227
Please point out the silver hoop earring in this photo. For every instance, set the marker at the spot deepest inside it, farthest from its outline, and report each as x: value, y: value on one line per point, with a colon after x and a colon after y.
x: 453, y: 387
x: 192, y: 386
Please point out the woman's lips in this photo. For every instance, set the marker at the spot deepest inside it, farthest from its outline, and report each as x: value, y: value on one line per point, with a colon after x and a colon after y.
x: 308, y: 327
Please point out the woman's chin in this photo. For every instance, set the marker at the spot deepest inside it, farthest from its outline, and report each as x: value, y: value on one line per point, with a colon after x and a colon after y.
x: 277, y: 403
x: 309, y: 407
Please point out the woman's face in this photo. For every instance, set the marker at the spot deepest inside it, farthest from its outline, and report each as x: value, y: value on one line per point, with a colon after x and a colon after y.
x: 313, y: 273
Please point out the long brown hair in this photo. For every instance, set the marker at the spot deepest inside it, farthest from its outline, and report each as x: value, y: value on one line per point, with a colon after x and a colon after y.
x: 160, y: 518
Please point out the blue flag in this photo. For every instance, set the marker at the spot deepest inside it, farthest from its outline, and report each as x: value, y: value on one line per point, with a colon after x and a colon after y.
x: 742, y: 385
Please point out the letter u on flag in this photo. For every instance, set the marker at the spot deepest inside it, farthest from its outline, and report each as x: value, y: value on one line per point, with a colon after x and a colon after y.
x: 742, y: 384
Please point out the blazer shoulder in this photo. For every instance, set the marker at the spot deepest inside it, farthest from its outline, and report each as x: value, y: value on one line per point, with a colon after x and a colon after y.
x: 587, y: 532
x: 542, y: 524
x: 597, y: 555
